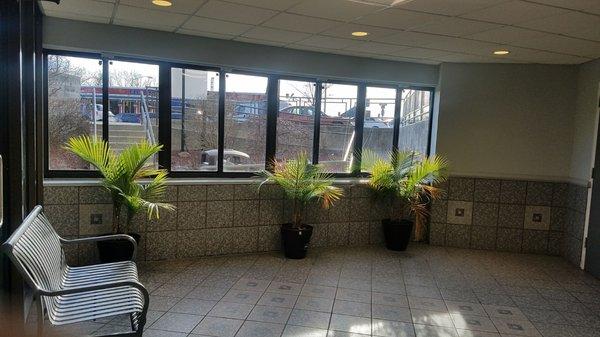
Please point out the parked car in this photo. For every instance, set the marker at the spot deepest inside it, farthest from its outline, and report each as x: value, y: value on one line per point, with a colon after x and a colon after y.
x: 230, y: 157
x: 128, y: 118
x: 370, y: 122
x: 305, y: 114
x: 98, y: 114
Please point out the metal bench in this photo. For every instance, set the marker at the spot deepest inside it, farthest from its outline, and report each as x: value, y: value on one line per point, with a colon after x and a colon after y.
x: 75, y: 294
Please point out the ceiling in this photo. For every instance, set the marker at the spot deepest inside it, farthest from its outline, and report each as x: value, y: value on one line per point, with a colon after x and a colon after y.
x: 425, y: 31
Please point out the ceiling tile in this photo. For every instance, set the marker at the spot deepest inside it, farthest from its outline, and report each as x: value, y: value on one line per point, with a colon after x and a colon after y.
x: 233, y: 12
x: 145, y: 18
x: 82, y: 7
x: 565, y: 23
x: 334, y: 9
x: 275, y: 35
x: 553, y: 58
x: 418, y: 53
x: 459, y: 45
x: 215, y: 26
x: 447, y: 7
x: 572, y: 4
x: 508, y: 35
x: 145, y: 25
x: 595, y: 9
x: 375, y: 48
x: 588, y: 34
x: 258, y: 41
x: 178, y: 6
x: 80, y: 17
x: 411, y: 38
x: 566, y: 45
x: 326, y: 42
x: 345, y: 31
x: 398, y: 19
x: 278, y: 5
x: 456, y: 27
x: 514, y: 12
x: 299, y: 23
x: 205, y: 34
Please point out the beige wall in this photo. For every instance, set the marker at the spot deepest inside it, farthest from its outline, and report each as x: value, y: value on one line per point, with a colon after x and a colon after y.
x: 585, y: 120
x: 502, y: 120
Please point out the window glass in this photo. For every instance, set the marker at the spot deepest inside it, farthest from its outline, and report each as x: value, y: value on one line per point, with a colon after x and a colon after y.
x: 133, y: 104
x: 245, y: 123
x: 414, y: 120
x: 296, y: 118
x: 378, y: 132
x: 74, y: 107
x: 336, y: 140
x: 194, y: 119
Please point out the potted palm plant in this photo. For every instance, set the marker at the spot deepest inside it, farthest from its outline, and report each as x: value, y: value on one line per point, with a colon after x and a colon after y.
x: 122, y: 176
x: 410, y: 181
x: 302, y: 183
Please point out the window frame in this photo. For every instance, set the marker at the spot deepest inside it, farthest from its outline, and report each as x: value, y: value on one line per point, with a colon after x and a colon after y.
x: 272, y: 93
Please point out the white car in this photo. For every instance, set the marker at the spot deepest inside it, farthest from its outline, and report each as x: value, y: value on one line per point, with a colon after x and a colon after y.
x: 98, y: 114
x: 376, y: 123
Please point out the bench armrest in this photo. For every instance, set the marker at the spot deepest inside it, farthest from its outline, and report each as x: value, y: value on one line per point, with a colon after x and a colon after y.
x: 95, y: 287
x: 105, y: 238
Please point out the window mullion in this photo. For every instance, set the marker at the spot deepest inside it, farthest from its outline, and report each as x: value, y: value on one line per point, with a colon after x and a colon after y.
x: 272, y: 109
x: 397, y: 112
x: 164, y: 115
x: 317, y: 121
x: 359, y: 121
x: 105, y: 102
x: 221, y: 121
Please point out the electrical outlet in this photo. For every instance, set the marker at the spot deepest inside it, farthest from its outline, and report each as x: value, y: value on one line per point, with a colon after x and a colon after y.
x: 96, y: 218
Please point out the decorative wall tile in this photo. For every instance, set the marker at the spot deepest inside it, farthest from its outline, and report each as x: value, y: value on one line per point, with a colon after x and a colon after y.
x: 460, y: 212
x: 457, y: 236
x: 437, y: 233
x: 535, y: 241
x: 487, y: 190
x: 483, y: 237
x: 338, y: 234
x: 167, y: 220
x: 537, y: 217
x: 539, y: 193
x: 439, y: 210
x: 558, y: 218
x: 375, y: 232
x: 219, y: 192
x: 245, y: 240
x: 246, y: 191
x: 461, y: 188
x: 485, y: 214
x: 246, y: 213
x: 379, y: 209
x: 269, y: 238
x: 560, y: 195
x: 511, y: 216
x: 161, y: 245
x: 94, y: 195
x: 63, y: 195
x: 88, y: 253
x: 336, y: 213
x: 64, y: 219
x: 218, y: 240
x: 219, y: 214
x: 513, y: 192
x: 271, y: 212
x: 191, y: 215
x: 358, y: 233
x: 320, y: 235
x: 581, y: 196
x: 358, y: 191
x: 190, y: 243
x: 271, y: 191
x: 171, y: 194
x: 191, y: 193
x: 71, y: 252
x: 359, y: 209
x: 95, y: 219
x: 555, y: 243
x: 509, y: 239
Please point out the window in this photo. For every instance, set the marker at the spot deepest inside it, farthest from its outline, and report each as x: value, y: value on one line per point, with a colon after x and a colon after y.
x: 336, y: 140
x: 378, y: 130
x: 295, y: 119
x: 74, y: 103
x: 414, y: 120
x: 245, y: 123
x: 132, y: 104
x: 194, y: 119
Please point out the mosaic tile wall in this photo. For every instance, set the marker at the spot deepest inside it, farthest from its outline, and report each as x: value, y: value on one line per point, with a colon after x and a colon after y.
x: 213, y: 220
x: 511, y: 215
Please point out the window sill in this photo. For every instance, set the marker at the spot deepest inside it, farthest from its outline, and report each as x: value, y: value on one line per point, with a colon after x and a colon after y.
x: 186, y: 181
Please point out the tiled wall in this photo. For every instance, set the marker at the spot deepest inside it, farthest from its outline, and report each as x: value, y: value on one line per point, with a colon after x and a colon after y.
x: 214, y: 219
x: 511, y: 215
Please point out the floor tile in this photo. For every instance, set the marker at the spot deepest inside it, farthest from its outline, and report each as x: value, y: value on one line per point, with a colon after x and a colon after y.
x: 193, y: 306
x: 504, y: 312
x: 285, y: 288
x: 313, y: 319
x: 471, y: 333
x: 231, y: 310
x: 260, y: 329
x: 434, y: 331
x: 353, y: 324
x: 389, y: 299
x: 242, y: 296
x: 318, y: 291
x: 251, y: 284
x: 465, y: 308
x: 333, y: 333
x: 354, y: 283
x: 162, y: 303
x: 207, y: 293
x: 162, y: 333
x: 303, y: 331
x: 391, y: 313
x: 515, y: 327
x: 176, y: 322
x: 218, y: 327
x: 429, y: 317
x: 352, y: 308
x: 353, y: 295
x: 269, y: 314
x: 426, y: 304
x: 392, y: 329
x: 278, y: 300
x: 422, y: 291
x: 173, y: 290
x: 314, y: 303
x: 469, y: 322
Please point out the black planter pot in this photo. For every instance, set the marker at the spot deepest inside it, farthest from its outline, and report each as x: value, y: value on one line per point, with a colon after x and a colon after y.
x: 295, y: 241
x: 116, y: 250
x: 397, y: 233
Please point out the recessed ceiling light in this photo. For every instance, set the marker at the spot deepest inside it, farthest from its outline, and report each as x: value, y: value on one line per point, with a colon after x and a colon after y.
x: 162, y: 3
x: 360, y: 34
x: 501, y: 52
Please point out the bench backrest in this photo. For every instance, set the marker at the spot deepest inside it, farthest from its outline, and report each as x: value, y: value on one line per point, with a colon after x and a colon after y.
x: 36, y: 251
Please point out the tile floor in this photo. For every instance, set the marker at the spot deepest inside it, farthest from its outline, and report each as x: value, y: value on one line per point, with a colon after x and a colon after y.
x: 368, y: 291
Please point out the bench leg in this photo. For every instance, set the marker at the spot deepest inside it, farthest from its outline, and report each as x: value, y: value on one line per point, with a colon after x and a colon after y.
x: 40, y: 321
